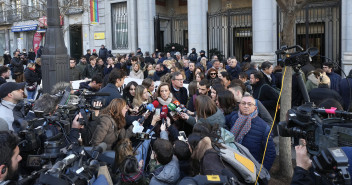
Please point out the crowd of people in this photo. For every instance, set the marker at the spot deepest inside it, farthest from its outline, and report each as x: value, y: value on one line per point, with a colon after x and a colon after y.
x: 226, y: 102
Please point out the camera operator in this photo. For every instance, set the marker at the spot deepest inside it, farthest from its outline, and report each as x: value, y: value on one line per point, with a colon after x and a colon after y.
x: 301, y: 173
x: 9, y: 158
x: 11, y: 95
x: 48, y: 104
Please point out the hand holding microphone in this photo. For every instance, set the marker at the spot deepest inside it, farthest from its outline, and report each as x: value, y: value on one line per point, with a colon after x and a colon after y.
x: 163, y: 113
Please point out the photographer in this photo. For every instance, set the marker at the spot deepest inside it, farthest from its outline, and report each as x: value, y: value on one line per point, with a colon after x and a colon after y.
x: 48, y: 105
x: 301, y: 173
x: 9, y: 158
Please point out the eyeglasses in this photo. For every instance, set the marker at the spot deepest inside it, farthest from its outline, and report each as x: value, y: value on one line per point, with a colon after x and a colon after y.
x: 250, y: 104
x: 180, y: 80
x: 212, y: 73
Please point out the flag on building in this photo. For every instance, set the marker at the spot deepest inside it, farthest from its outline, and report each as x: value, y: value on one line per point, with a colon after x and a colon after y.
x: 94, y: 15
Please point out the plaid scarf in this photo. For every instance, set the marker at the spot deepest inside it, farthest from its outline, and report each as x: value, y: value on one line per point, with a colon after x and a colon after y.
x: 132, y: 178
x: 242, y: 125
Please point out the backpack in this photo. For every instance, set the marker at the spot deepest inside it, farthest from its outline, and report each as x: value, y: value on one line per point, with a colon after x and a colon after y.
x: 240, y: 159
x: 276, y: 90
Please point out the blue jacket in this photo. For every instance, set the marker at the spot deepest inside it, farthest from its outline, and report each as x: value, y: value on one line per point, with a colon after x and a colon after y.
x: 114, y: 93
x: 334, y: 81
x: 345, y: 90
x: 161, y: 60
x: 234, y: 72
x: 157, y: 75
x: 255, y: 141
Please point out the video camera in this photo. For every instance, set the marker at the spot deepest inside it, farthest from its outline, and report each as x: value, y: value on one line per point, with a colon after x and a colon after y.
x: 322, y: 134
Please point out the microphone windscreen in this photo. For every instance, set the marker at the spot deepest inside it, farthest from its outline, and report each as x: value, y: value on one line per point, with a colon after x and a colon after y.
x: 150, y: 107
x: 171, y: 106
x: 163, y: 115
x: 177, y: 103
x: 164, y: 109
x: 156, y: 104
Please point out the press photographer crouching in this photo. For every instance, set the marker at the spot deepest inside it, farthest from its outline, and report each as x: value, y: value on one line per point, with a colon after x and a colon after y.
x: 9, y: 158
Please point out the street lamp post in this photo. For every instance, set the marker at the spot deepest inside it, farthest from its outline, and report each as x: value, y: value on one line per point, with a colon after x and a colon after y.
x: 55, y: 61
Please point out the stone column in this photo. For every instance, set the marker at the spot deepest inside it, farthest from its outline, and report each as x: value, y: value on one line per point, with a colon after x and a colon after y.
x: 264, y: 30
x: 197, y: 24
x: 346, y: 35
x: 145, y: 22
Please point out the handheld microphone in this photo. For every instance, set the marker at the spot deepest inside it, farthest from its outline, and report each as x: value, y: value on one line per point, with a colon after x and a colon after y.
x: 156, y: 104
x: 171, y: 107
x: 177, y: 103
x: 164, y: 109
x: 163, y: 113
x: 163, y: 116
x: 183, y: 108
x: 150, y: 108
x: 97, y: 150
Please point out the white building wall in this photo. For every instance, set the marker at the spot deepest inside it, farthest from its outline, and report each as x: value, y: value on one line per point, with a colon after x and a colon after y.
x: 264, y: 30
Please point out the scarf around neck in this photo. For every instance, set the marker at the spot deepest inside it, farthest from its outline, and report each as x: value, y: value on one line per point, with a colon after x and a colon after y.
x: 167, y: 102
x: 242, y: 125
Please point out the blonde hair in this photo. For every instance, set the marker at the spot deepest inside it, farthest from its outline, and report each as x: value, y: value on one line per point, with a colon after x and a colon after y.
x: 138, y: 99
x: 38, y: 61
x: 324, y: 79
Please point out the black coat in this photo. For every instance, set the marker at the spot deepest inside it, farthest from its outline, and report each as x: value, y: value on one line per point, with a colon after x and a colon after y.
x: 149, y: 60
x: 31, y: 76
x: 7, y: 59
x: 17, y: 64
x: 193, y: 57
x: 103, y: 53
x: 301, y: 177
x: 2, y: 80
x: 266, y: 94
x: 87, y: 57
x: 90, y: 72
x: 345, y: 89
x: 317, y: 95
x: 181, y: 95
x: 31, y: 55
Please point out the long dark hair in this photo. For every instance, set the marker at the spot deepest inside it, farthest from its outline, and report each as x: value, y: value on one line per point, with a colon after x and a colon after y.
x: 226, y: 101
x: 126, y: 93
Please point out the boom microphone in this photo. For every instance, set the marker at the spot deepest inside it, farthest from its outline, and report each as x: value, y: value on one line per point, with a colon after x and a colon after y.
x: 60, y: 165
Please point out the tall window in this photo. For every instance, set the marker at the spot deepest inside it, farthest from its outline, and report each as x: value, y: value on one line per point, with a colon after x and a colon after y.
x: 119, y: 26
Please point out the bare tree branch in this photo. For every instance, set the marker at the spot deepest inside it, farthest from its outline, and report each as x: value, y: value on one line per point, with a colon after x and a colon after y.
x: 301, y: 4
x: 282, y: 4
